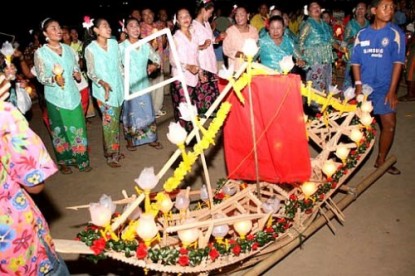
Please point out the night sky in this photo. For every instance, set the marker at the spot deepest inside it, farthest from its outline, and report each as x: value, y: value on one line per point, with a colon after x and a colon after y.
x: 72, y: 12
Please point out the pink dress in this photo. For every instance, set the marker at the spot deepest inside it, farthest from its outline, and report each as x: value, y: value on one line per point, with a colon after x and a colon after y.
x: 234, y: 42
x: 24, y: 231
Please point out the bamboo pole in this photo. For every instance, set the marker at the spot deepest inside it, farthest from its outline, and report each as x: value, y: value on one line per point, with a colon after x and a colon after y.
x: 321, y: 221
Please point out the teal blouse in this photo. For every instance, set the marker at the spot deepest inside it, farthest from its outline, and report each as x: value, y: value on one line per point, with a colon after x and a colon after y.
x: 138, y: 64
x: 352, y: 28
x: 315, y: 42
x: 271, y: 54
x: 68, y: 96
x: 105, y: 65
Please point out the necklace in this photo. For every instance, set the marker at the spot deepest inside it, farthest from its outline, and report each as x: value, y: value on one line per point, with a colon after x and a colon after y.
x: 54, y: 47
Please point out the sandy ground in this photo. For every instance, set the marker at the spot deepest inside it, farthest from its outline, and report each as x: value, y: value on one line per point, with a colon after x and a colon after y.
x: 378, y: 237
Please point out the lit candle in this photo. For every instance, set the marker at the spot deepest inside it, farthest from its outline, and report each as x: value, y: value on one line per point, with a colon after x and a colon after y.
x: 7, y: 50
x: 243, y: 227
x: 220, y: 231
x: 356, y: 135
x: 366, y: 106
x: 147, y: 228
x: 342, y: 152
x: 308, y: 189
x: 366, y: 119
x: 58, y: 71
x: 188, y: 236
x: 329, y: 168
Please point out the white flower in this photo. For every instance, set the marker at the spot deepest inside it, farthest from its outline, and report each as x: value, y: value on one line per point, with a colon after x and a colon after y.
x: 226, y: 73
x: 305, y: 10
x: 88, y: 22
x: 250, y: 47
x: 7, y: 49
x: 367, y: 90
x: 287, y: 64
x: 333, y: 89
x: 360, y: 98
x: 100, y: 214
x: 147, y: 179
x: 187, y: 111
x: 107, y: 202
x: 177, y: 134
x: 349, y: 93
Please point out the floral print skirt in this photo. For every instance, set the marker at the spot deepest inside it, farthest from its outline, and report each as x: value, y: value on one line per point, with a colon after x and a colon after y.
x: 69, y: 136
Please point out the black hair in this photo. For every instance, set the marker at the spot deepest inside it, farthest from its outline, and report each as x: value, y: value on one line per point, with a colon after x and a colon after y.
x: 204, y: 4
x: 90, y: 35
x: 375, y: 3
x: 43, y: 26
x: 276, y: 18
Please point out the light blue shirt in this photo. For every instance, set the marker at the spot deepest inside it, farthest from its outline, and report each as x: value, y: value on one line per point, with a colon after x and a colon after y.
x: 68, y: 96
x: 105, y: 65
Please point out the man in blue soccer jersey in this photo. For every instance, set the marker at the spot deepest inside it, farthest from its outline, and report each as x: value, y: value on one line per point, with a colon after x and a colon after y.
x: 377, y: 60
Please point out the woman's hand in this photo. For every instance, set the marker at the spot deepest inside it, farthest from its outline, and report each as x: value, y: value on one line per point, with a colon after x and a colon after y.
x: 205, y: 45
x: 77, y: 76
x: 300, y: 63
x: 391, y: 99
x: 152, y: 68
x: 107, y: 89
x: 194, y: 69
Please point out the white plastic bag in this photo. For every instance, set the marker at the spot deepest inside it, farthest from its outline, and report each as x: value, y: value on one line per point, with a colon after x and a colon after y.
x: 24, y: 102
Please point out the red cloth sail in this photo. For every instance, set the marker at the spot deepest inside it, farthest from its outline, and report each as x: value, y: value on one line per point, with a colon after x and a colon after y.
x: 280, y: 131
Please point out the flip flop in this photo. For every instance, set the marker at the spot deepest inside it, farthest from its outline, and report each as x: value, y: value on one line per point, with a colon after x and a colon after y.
x: 86, y: 169
x: 156, y: 145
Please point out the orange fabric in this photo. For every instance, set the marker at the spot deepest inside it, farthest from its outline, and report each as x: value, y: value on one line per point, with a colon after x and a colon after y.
x: 282, y: 146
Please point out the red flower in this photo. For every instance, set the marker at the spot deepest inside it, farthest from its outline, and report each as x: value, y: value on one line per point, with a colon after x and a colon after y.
x: 232, y: 241
x: 286, y: 226
x: 308, y: 211
x: 183, y: 260
x: 213, y: 254
x: 281, y: 220
x: 333, y: 185
x: 293, y: 197
x: 250, y: 237
x: 321, y: 197
x: 141, y: 251
x: 220, y: 195
x: 269, y: 230
x: 183, y: 251
x: 275, y: 235
x: 236, y: 250
x: 318, y: 115
x: 255, y: 246
x: 98, y: 246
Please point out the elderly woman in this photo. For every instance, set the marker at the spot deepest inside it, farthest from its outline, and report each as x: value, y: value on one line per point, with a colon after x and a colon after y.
x: 316, y: 43
x: 274, y: 46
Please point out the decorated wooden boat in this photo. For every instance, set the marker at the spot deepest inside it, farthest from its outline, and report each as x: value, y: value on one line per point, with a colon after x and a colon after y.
x: 242, y: 219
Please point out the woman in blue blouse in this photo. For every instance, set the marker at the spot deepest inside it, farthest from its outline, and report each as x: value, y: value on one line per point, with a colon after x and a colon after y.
x: 274, y: 45
x: 57, y: 69
x: 352, y: 28
x: 104, y: 68
x: 138, y: 115
x: 316, y: 44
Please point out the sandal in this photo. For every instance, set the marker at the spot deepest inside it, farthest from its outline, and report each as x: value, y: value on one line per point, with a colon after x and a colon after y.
x: 156, y: 145
x: 131, y: 148
x: 86, y: 169
x: 392, y: 170
x: 113, y: 162
x: 65, y: 169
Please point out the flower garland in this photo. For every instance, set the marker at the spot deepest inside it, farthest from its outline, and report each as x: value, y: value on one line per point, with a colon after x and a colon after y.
x: 208, y: 138
x: 173, y: 255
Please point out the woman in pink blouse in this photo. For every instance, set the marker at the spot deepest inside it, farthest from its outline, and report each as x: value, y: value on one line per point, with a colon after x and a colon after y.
x: 236, y: 36
x: 187, y: 48
x: 208, y: 90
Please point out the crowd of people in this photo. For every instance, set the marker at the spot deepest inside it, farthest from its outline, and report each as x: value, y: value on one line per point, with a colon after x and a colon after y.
x: 71, y: 76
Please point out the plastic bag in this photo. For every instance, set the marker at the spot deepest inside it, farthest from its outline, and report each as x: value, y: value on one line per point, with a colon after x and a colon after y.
x: 24, y: 102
